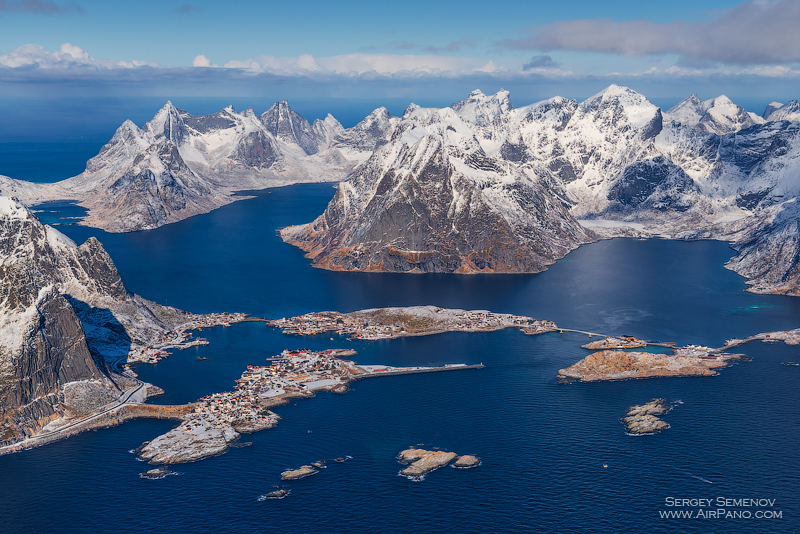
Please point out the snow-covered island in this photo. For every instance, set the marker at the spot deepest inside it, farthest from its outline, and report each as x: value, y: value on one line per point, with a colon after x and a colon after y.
x: 480, y: 186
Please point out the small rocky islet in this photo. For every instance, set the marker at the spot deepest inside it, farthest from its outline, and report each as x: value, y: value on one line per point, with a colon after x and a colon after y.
x: 157, y: 473
x: 641, y: 420
x: 277, y: 494
x: 301, y: 472
x: 420, y: 462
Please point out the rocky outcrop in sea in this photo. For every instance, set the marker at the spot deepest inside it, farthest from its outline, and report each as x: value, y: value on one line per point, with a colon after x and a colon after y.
x: 420, y: 462
x: 620, y: 365
x: 641, y: 419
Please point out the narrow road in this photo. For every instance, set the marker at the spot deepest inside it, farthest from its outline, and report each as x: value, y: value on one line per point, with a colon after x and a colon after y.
x: 122, y: 400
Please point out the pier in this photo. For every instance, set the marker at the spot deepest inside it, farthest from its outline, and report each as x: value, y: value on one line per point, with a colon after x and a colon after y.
x: 415, y: 370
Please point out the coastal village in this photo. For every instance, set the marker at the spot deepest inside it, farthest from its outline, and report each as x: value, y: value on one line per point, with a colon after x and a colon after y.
x: 292, y: 374
x: 389, y: 323
x: 182, y: 337
x: 215, y: 421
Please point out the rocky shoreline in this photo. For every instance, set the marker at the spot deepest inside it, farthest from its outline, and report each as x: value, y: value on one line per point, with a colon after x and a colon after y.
x: 420, y: 462
x: 620, y: 365
x: 641, y: 419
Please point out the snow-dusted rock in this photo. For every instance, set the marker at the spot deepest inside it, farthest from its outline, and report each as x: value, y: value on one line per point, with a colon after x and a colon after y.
x: 65, y: 320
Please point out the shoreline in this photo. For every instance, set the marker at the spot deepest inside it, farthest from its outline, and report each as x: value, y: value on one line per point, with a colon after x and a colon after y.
x: 391, y: 323
x: 114, y: 417
x: 692, y: 360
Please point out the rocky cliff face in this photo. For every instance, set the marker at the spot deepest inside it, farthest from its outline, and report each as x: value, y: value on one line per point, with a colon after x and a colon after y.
x: 52, y: 293
x: 432, y: 201
x: 704, y: 169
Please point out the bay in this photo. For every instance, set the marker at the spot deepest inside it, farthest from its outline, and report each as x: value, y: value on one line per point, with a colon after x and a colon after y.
x: 543, y: 444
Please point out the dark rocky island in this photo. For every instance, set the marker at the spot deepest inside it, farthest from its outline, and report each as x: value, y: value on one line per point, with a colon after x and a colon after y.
x: 277, y: 494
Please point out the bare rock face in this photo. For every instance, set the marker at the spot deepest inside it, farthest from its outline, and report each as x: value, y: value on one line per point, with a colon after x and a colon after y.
x: 301, y: 472
x: 188, y: 444
x: 641, y: 419
x: 467, y: 461
x: 423, y: 461
x: 413, y: 209
x: 49, y: 289
x: 43, y: 344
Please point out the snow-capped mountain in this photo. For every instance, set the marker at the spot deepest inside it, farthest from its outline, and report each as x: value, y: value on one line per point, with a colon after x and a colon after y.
x: 431, y: 201
x: 66, y: 322
x: 790, y: 111
x: 179, y: 165
x: 613, y: 156
x: 480, y: 110
x: 717, y: 115
x: 702, y: 168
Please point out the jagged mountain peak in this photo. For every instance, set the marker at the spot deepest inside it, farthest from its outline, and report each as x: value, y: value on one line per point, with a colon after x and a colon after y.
x: 410, y: 109
x: 790, y: 111
x: 289, y: 126
x: 688, y: 111
x: 771, y: 107
x: 616, y: 105
x: 616, y: 93
x: 167, y: 122
x: 718, y: 115
x: 721, y: 100
x: 480, y: 109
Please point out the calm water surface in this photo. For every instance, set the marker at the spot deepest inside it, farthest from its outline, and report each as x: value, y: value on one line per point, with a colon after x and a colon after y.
x: 543, y: 444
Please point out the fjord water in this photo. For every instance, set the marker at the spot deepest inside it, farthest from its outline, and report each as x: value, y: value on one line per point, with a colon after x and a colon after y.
x: 543, y: 444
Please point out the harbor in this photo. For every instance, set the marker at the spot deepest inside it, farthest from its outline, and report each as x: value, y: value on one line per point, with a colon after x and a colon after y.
x: 182, y: 337
x: 216, y: 421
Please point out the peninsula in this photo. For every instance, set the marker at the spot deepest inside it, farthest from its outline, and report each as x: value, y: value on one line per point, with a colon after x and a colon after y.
x: 215, y: 422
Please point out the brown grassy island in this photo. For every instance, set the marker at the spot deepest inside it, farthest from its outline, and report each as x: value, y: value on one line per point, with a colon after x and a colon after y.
x: 389, y: 323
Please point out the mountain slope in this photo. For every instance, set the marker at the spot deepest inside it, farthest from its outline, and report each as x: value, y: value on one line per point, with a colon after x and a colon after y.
x: 179, y: 165
x: 67, y: 323
x: 419, y: 202
x: 432, y: 201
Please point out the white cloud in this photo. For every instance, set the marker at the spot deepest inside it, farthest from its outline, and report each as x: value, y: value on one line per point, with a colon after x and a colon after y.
x: 202, y: 61
x: 70, y: 56
x: 756, y: 32
x: 359, y: 64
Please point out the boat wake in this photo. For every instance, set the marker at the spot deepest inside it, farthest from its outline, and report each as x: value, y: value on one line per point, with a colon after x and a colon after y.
x: 695, y: 476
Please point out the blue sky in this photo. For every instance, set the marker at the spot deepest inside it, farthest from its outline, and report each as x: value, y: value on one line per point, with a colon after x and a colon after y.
x: 396, y: 49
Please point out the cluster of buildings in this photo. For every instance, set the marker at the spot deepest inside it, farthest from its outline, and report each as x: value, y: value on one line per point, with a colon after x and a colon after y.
x: 359, y: 326
x: 312, y: 324
x: 208, y: 320
x: 533, y: 327
x: 181, y: 338
x: 697, y: 351
x: 293, y: 372
x: 480, y: 320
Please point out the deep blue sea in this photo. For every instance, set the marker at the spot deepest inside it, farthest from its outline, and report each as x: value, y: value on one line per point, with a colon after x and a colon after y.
x: 543, y: 444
